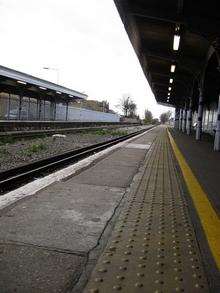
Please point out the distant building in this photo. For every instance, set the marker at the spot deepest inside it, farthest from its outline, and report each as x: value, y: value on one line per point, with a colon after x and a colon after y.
x: 101, y: 106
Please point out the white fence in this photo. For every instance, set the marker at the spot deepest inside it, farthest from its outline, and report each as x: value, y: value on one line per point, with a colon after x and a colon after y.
x: 84, y: 115
x: 33, y: 109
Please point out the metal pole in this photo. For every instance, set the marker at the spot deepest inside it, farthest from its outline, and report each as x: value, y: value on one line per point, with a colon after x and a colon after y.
x: 180, y: 120
x: 189, y: 118
x: 44, y: 108
x: 67, y: 104
x: 39, y: 110
x: 184, y: 119
x: 199, y: 118
x: 176, y: 123
x: 20, y: 107
x: 29, y: 107
x: 9, y: 106
x: 55, y: 108
x: 217, y: 130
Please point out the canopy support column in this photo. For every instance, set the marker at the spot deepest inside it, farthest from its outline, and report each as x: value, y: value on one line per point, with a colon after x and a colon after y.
x: 189, y: 118
x: 200, y: 115
x: 184, y: 119
x: 217, y: 131
x: 9, y: 106
x: 67, y: 108
x: 180, y: 119
x: 19, y: 107
x: 176, y: 122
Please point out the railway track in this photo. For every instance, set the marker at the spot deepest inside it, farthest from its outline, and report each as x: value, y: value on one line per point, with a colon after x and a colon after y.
x: 15, y: 177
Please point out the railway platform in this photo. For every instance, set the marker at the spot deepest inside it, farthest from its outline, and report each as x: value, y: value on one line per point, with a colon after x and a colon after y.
x: 133, y: 219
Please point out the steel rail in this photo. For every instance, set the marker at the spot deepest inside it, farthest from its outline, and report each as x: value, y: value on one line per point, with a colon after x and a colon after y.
x: 15, y: 177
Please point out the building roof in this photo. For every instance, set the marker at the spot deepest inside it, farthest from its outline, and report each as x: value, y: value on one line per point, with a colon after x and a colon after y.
x: 17, y: 81
x: 151, y: 26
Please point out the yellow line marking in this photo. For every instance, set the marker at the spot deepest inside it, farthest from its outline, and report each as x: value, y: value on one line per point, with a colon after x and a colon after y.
x: 208, y: 217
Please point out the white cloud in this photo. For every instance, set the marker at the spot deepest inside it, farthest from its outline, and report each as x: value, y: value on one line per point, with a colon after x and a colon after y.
x: 85, y: 39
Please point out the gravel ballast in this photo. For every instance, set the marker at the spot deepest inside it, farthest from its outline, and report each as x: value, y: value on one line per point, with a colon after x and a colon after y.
x: 24, y: 151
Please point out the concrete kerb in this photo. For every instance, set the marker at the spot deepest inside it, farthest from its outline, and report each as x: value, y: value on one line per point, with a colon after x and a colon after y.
x: 95, y: 252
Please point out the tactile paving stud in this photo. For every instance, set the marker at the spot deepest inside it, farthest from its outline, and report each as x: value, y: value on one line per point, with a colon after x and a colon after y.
x: 153, y: 247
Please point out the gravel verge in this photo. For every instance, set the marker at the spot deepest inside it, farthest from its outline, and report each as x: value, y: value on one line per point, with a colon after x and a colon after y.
x: 24, y: 151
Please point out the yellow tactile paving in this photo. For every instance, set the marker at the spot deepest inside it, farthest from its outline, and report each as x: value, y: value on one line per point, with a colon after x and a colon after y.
x: 208, y: 217
x: 153, y: 247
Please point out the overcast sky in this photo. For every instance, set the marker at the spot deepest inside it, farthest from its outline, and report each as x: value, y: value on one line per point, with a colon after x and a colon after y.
x: 85, y: 39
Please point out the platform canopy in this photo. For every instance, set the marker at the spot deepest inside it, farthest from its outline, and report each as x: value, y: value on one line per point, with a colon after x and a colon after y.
x: 151, y: 26
x: 23, y: 84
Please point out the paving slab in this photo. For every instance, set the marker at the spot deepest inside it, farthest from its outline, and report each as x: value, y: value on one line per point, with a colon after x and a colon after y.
x: 45, y: 239
x: 153, y: 246
x: 67, y: 216
x: 25, y: 269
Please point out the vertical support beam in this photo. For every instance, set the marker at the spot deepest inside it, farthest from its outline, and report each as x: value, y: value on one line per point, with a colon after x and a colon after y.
x: 217, y: 130
x: 9, y: 106
x: 19, y: 107
x: 189, y: 118
x: 184, y: 119
x: 51, y: 110
x: 44, y: 108
x: 180, y: 119
x: 177, y: 115
x: 55, y: 110
x: 67, y: 107
x: 39, y: 109
x: 200, y: 114
x: 29, y: 108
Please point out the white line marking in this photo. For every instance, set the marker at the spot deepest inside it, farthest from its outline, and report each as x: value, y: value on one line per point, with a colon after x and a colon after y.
x: 138, y: 146
x: 35, y: 186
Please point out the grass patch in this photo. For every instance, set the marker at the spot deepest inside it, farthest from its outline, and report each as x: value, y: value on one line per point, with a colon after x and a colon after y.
x: 7, y: 139
x: 35, y: 148
x: 110, y: 132
x: 3, y: 152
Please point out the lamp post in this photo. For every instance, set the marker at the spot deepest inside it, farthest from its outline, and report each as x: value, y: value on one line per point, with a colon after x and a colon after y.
x: 54, y: 69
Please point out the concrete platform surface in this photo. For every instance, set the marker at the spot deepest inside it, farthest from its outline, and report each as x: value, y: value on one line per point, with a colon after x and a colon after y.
x: 156, y: 244
x: 204, y: 162
x: 46, y: 239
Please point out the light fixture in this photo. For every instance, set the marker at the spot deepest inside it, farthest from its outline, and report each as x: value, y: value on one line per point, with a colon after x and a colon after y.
x: 169, y: 88
x: 21, y: 82
x: 58, y: 92
x: 168, y: 94
x: 176, y: 42
x: 173, y: 67
x: 42, y: 88
x: 171, y: 80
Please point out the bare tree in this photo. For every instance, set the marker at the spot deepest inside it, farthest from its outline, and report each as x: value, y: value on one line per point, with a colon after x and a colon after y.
x: 128, y: 106
x: 124, y: 104
x: 164, y: 117
x: 132, y: 109
x: 148, y: 116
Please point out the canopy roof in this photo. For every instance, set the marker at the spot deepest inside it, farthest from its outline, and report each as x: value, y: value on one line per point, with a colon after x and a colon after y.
x: 151, y: 26
x: 25, y: 84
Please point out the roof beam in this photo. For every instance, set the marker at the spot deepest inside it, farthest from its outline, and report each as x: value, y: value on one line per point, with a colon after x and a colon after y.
x: 152, y: 14
x: 181, y: 60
